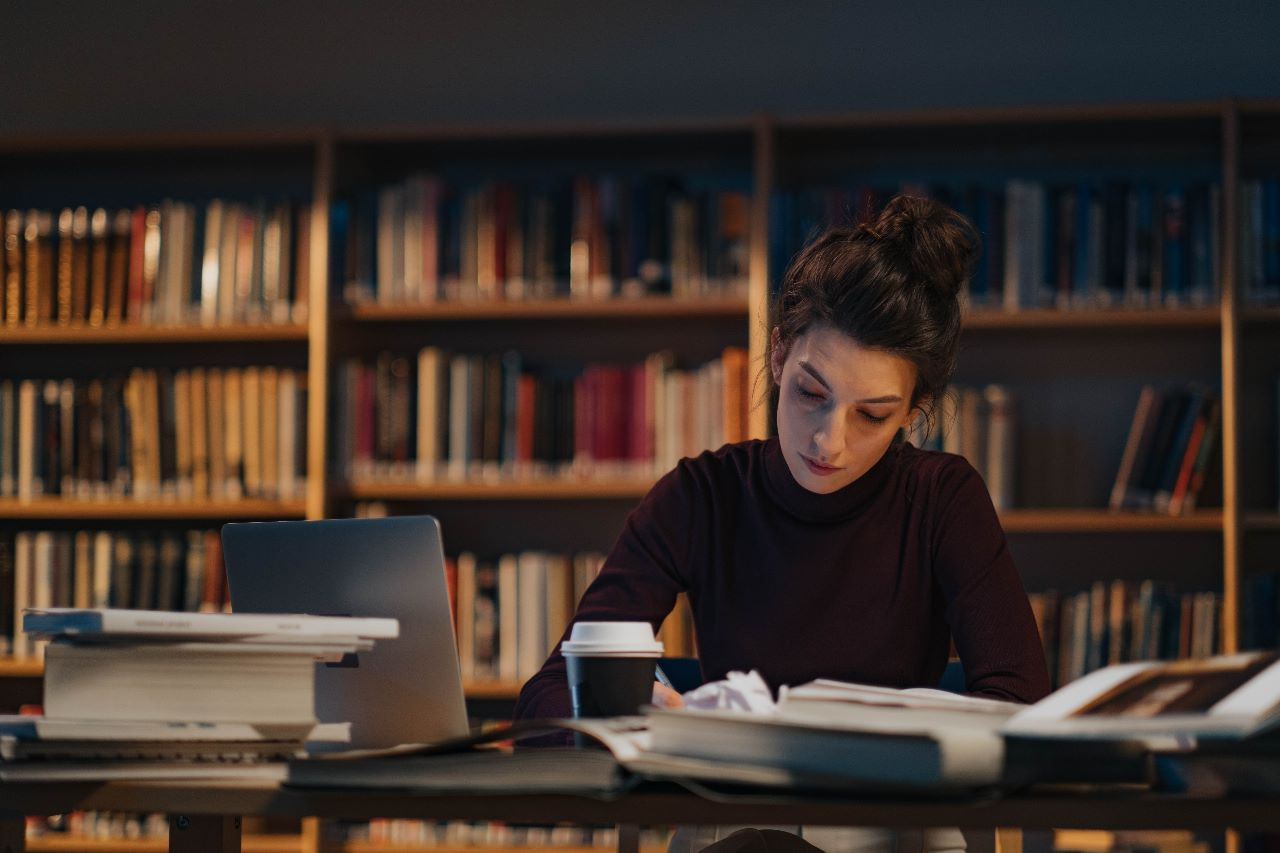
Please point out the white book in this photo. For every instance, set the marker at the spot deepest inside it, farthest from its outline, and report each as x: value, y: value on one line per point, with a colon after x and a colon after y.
x: 101, y: 574
x: 209, y: 264
x: 28, y: 727
x: 999, y: 451
x: 531, y: 615
x: 120, y: 623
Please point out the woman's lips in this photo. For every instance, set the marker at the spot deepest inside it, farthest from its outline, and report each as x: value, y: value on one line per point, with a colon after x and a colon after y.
x: 818, y: 468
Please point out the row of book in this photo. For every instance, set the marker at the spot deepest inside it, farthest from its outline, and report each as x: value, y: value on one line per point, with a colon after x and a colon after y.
x: 1120, y: 621
x: 159, y: 570
x: 1171, y: 443
x: 511, y: 609
x: 99, y: 826
x: 1082, y: 245
x: 402, y: 832
x: 1260, y: 240
x: 427, y: 239
x: 978, y: 424
x: 459, y: 416
x: 156, y: 434
x: 170, y: 263
x: 478, y: 835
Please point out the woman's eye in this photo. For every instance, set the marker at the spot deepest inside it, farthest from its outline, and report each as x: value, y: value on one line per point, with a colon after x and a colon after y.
x: 807, y: 394
x: 875, y: 419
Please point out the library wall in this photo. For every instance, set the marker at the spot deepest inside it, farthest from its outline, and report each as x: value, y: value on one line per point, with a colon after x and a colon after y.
x: 298, y: 64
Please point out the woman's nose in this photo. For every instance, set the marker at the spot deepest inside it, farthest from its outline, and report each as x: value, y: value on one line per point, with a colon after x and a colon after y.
x: 829, y: 438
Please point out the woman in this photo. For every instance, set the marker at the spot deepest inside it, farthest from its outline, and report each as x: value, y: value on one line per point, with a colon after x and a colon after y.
x: 834, y: 550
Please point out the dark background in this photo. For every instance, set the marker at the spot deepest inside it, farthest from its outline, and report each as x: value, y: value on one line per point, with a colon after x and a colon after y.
x: 236, y: 65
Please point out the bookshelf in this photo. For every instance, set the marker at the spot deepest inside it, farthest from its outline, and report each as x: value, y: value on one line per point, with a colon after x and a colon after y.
x: 1075, y: 372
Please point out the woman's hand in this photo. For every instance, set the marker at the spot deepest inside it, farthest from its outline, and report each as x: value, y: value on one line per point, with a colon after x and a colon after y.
x: 665, y: 697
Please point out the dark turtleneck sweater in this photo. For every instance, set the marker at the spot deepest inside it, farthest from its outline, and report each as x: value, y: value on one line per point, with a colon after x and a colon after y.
x: 867, y: 584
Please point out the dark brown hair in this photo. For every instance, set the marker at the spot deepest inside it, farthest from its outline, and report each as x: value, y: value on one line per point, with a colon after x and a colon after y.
x: 891, y: 285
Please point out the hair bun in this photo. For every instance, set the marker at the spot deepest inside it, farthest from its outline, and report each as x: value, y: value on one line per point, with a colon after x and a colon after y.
x: 939, y: 245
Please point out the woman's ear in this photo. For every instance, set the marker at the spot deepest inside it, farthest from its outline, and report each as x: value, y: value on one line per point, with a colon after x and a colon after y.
x: 777, y: 357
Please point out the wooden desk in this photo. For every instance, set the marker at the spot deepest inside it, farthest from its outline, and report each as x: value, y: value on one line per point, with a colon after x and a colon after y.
x: 204, y: 816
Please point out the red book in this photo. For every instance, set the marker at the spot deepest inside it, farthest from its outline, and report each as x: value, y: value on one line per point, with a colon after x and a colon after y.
x: 137, y: 257
x: 611, y: 422
x: 1187, y: 465
x: 215, y: 571
x: 526, y: 416
x: 451, y: 583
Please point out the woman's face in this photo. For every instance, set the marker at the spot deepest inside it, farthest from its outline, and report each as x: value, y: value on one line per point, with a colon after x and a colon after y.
x: 839, y: 406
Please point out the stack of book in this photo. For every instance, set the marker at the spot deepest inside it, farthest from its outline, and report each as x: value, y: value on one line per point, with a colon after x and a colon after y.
x: 157, y: 694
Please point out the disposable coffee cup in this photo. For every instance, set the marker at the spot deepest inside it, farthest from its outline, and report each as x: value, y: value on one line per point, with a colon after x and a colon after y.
x: 611, y: 667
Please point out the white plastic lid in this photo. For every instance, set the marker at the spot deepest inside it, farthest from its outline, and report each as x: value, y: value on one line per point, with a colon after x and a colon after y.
x: 612, y: 639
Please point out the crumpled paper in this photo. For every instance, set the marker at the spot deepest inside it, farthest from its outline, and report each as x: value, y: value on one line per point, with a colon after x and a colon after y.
x: 737, y: 692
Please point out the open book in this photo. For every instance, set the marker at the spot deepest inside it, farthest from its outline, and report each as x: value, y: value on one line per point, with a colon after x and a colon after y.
x: 826, y: 735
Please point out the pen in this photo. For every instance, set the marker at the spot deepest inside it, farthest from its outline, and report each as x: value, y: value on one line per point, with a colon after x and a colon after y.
x: 662, y: 677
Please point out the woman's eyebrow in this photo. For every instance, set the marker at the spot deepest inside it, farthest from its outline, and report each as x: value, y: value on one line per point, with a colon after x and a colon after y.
x: 809, y: 369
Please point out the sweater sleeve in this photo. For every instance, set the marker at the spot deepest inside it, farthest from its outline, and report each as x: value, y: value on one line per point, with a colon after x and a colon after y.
x: 986, y: 605
x: 641, y: 577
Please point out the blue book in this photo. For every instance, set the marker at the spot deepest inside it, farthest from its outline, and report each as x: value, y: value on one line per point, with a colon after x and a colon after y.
x: 1175, y: 248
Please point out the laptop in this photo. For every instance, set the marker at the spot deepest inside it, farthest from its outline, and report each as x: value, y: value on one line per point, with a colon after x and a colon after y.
x: 406, y: 690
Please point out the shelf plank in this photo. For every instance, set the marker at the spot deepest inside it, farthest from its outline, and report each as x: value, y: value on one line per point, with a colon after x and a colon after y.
x: 1107, y: 521
x: 492, y: 689
x: 124, y: 509
x: 58, y: 843
x: 1122, y: 318
x: 11, y: 667
x: 650, y: 307
x: 503, y: 490
x: 1261, y: 521
x: 1261, y: 314
x: 383, y: 847
x: 141, y: 334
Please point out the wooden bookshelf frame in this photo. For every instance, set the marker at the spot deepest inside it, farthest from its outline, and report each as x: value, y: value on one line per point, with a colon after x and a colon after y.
x: 138, y: 333
x: 510, y: 490
x: 641, y: 308
x: 128, y: 509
